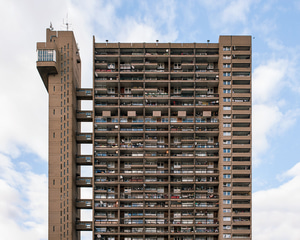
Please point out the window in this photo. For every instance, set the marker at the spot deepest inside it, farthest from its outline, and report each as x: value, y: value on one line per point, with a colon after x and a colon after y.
x: 161, y: 90
x: 226, y: 116
x: 47, y: 55
x: 226, y: 150
x: 177, y: 65
x: 226, y: 91
x: 226, y: 176
x: 226, y: 142
x: 226, y: 210
x: 226, y: 65
x: 226, y: 201
x: 226, y: 108
x: 160, y: 65
x: 226, y: 83
x: 226, y: 159
x: 111, y: 90
x: 226, y: 167
x: 226, y: 218
x: 226, y: 74
x: 177, y: 164
x: 227, y: 235
x: 226, y: 184
x: 226, y: 133
x: 160, y: 164
x: 226, y: 227
x: 226, y: 48
x: 226, y: 125
x: 127, y: 90
x: 111, y: 66
x: 177, y: 90
x: 226, y: 99
x: 226, y: 57
x: 210, y: 91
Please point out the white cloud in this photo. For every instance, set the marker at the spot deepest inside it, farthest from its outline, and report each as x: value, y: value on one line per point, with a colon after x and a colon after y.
x: 23, y: 203
x: 148, y: 23
x: 224, y: 15
x: 270, y: 117
x: 25, y: 114
x: 268, y: 80
x: 137, y: 32
x: 276, y: 210
x: 293, y: 172
x: 236, y: 11
x: 265, y: 120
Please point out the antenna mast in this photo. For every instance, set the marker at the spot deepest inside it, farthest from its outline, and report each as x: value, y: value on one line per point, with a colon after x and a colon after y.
x: 67, y: 24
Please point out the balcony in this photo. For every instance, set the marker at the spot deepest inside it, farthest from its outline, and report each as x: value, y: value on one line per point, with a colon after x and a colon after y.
x: 106, y: 221
x: 46, y: 62
x: 84, y: 94
x: 84, y: 182
x: 84, y: 116
x: 102, y: 204
x: 105, y: 230
x: 84, y: 204
x: 102, y: 180
x: 84, y: 137
x: 83, y: 226
x: 84, y: 159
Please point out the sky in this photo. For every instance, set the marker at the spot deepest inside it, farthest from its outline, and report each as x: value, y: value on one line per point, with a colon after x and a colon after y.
x: 275, y: 31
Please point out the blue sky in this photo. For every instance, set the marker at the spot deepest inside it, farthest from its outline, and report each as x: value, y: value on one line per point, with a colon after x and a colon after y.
x: 274, y: 25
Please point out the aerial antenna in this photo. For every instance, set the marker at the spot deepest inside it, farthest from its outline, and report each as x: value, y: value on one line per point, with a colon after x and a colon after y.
x: 51, y: 27
x: 67, y: 24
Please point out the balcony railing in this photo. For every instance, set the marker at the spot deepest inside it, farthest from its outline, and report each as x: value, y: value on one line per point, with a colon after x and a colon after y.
x: 84, y: 160
x: 84, y: 182
x: 84, y: 116
x: 84, y: 137
x: 82, y: 204
x: 84, y: 226
x: 84, y: 94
